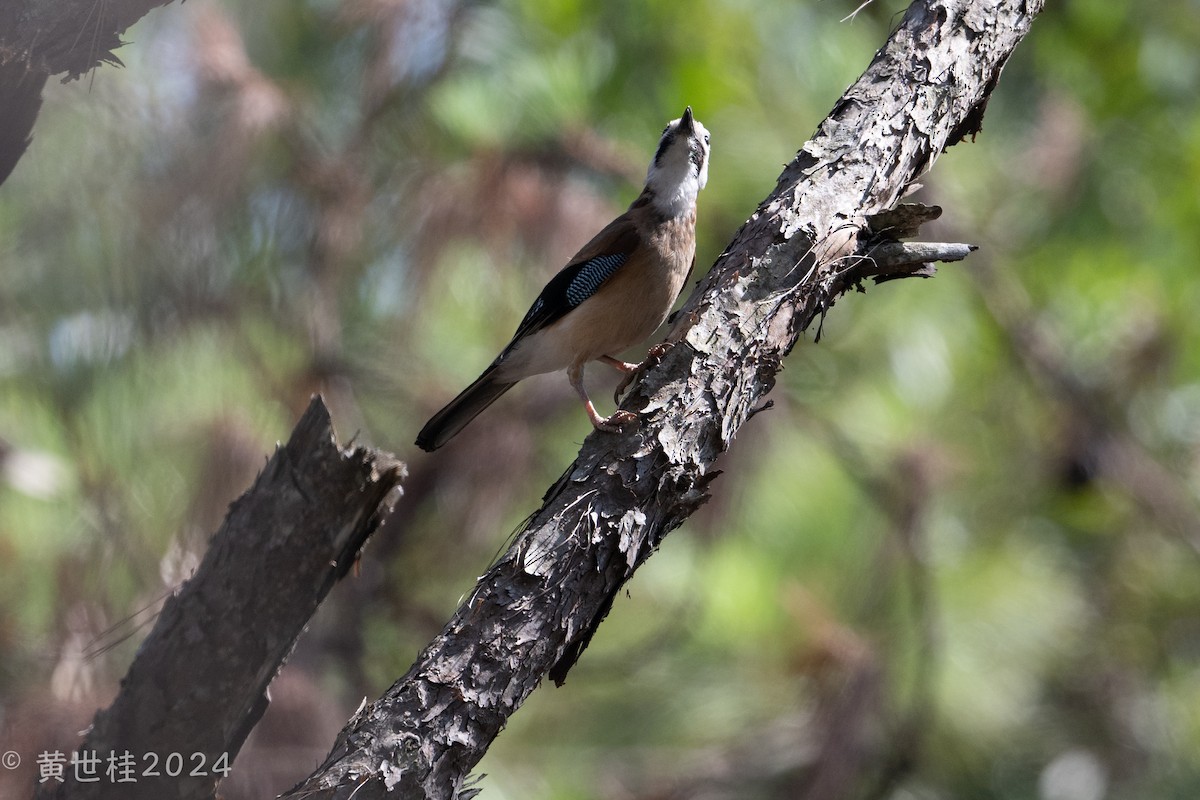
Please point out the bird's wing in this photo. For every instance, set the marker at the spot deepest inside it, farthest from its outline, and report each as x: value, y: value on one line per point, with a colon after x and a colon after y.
x: 598, y: 261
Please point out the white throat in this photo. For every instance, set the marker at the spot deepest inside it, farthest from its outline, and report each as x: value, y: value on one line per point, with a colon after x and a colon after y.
x: 674, y: 180
x: 674, y: 195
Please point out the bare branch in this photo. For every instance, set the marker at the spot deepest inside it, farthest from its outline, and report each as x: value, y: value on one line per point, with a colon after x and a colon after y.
x: 67, y: 36
x: 199, y: 681
x: 40, y: 38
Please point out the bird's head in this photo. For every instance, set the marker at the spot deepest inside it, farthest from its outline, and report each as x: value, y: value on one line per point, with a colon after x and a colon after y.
x: 680, y: 166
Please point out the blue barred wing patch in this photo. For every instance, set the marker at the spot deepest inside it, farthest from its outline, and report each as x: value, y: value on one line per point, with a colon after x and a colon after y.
x: 591, y: 275
x: 575, y: 283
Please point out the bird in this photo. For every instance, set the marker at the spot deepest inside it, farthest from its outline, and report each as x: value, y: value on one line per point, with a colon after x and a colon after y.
x: 616, y: 291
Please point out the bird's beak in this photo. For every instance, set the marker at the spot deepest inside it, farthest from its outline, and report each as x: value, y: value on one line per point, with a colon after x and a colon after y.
x: 685, y: 122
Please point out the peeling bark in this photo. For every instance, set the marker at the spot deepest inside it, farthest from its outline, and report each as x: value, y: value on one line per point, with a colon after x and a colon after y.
x: 807, y: 244
x: 198, y: 683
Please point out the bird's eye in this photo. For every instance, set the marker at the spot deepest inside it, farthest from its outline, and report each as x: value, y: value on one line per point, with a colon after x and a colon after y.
x: 707, y: 138
x: 666, y: 129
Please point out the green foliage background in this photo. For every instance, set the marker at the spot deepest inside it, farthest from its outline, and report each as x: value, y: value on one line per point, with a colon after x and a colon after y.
x: 959, y: 558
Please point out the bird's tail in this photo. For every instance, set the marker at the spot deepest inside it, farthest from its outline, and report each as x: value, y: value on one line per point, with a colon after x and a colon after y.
x: 445, y: 424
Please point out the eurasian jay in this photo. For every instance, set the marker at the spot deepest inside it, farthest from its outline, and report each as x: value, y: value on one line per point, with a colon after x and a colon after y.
x: 613, y: 294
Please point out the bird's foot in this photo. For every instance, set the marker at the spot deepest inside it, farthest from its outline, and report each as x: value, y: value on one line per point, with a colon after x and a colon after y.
x: 616, y: 422
x: 655, y: 353
x: 653, y: 356
x: 622, y: 386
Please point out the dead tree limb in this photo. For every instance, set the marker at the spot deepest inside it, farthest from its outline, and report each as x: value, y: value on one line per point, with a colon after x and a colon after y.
x: 40, y: 38
x: 807, y: 244
x: 198, y: 683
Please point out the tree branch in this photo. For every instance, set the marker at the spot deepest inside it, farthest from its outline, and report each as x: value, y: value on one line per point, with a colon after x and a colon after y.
x: 40, y: 38
x: 199, y: 681
x: 67, y: 36
x: 536, y: 609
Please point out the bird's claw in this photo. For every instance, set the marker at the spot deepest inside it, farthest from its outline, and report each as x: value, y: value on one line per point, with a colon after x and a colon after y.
x: 655, y: 353
x: 615, y: 422
x: 623, y: 385
x: 653, y: 356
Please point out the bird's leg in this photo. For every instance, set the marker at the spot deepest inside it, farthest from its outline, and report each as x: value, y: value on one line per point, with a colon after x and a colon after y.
x: 620, y: 366
x: 631, y: 370
x: 611, y: 424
